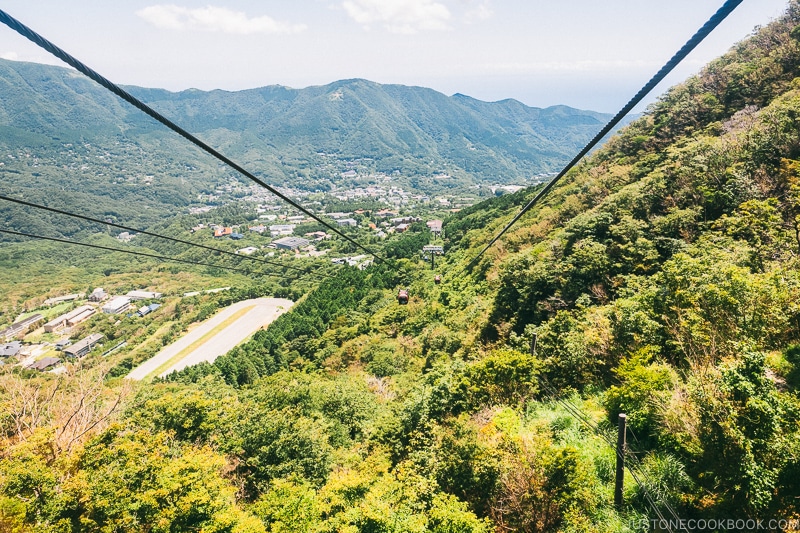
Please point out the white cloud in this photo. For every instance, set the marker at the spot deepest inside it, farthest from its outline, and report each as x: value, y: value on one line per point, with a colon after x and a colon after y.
x: 399, y: 16
x: 477, y: 11
x: 215, y: 19
x: 11, y: 56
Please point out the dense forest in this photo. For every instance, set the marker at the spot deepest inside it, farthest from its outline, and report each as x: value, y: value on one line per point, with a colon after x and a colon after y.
x: 660, y: 279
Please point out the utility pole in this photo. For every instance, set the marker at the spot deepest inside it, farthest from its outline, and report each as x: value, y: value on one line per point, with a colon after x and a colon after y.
x: 621, y: 445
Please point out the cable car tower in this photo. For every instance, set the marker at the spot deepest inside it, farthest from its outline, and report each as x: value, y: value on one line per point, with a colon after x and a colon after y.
x: 432, y: 250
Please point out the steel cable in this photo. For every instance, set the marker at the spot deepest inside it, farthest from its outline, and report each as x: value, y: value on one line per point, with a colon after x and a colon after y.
x: 690, y: 45
x: 42, y: 42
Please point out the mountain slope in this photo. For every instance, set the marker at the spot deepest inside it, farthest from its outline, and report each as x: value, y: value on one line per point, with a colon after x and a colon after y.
x: 411, y: 129
x: 661, y: 279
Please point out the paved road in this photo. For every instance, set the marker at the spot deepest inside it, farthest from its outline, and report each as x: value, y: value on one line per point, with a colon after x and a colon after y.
x: 258, y: 313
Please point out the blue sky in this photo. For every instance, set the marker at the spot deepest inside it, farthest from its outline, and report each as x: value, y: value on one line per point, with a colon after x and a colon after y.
x: 588, y: 54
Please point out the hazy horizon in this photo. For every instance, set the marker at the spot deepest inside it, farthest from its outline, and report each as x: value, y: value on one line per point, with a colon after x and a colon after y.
x: 583, y: 54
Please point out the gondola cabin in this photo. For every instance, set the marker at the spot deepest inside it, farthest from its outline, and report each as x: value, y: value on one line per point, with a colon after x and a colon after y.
x: 402, y: 297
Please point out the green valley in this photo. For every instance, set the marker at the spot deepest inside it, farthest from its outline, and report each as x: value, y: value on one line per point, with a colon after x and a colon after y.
x: 659, y: 279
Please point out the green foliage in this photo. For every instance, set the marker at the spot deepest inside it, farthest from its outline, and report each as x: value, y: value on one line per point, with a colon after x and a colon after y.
x: 758, y: 223
x: 289, y: 507
x: 744, y: 435
x: 410, y: 244
x: 503, y: 377
x: 122, y: 480
x: 278, y: 443
x: 292, y: 336
x: 570, y: 358
x: 198, y: 415
x: 449, y: 515
x: 643, y: 384
x: 663, y: 475
x: 464, y: 466
x: 660, y: 277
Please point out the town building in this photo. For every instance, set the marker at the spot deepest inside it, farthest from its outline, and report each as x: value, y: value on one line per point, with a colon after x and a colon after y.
x: 10, y: 349
x: 147, y: 309
x: 222, y: 232
x: 250, y: 250
x: 403, y: 220
x: 83, y: 346
x: 20, y: 328
x: 63, y: 343
x: 290, y: 243
x: 143, y: 295
x: 74, y: 317
x: 117, y: 305
x: 44, y: 364
x: 98, y: 295
x: 276, y: 230
x: 347, y: 222
x: 61, y: 299
x: 86, y: 311
x: 317, y: 235
x: 435, y: 226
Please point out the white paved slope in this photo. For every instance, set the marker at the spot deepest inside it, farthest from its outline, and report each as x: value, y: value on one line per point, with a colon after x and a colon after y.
x: 258, y: 313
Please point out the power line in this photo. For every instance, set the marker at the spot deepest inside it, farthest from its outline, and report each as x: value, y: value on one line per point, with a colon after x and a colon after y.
x: 131, y: 252
x: 39, y: 40
x: 634, y: 468
x: 690, y: 45
x: 152, y: 234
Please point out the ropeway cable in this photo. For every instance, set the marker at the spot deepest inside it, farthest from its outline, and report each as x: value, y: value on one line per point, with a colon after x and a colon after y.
x: 39, y: 40
x: 131, y: 252
x: 150, y: 233
x: 635, y: 469
x: 690, y: 45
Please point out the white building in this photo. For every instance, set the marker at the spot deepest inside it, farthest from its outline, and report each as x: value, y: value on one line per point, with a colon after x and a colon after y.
x: 276, y: 230
x: 143, y: 295
x: 117, y: 305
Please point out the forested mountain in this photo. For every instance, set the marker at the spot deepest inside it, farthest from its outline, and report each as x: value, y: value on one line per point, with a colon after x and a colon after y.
x: 65, y: 142
x: 280, y: 131
x: 660, y: 279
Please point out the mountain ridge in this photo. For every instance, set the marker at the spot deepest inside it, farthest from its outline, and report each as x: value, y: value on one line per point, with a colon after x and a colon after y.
x: 407, y: 128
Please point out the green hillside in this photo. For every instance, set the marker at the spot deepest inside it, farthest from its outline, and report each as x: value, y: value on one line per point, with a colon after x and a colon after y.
x: 660, y: 279
x: 279, y: 132
x: 68, y: 143
x: 410, y: 129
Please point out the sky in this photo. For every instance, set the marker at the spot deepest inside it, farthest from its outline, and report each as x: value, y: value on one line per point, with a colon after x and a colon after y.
x: 589, y: 54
